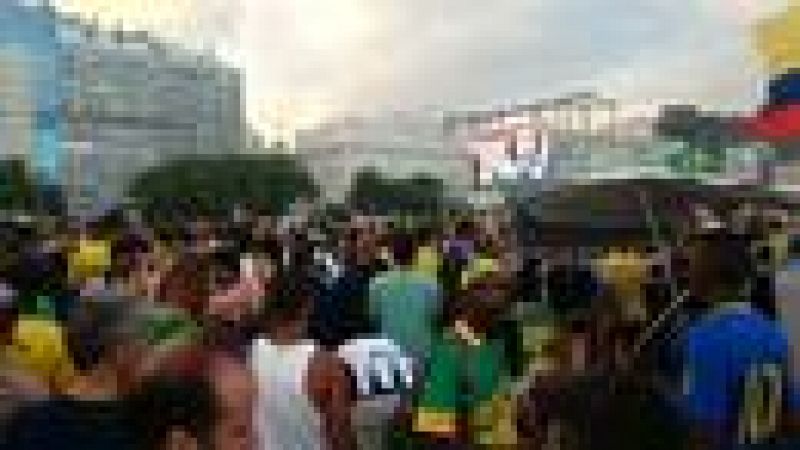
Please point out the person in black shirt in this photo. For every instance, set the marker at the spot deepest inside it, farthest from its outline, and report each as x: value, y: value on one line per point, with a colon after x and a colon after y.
x: 340, y: 311
x: 104, y: 409
x: 93, y: 415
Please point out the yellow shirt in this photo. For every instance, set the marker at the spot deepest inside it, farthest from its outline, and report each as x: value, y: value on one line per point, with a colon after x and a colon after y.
x: 479, y: 268
x: 427, y: 261
x: 90, y: 259
x: 625, y: 272
x: 39, y: 347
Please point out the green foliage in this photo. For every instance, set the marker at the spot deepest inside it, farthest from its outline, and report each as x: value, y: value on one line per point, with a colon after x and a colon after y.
x: 212, y: 186
x: 17, y: 191
x: 419, y: 194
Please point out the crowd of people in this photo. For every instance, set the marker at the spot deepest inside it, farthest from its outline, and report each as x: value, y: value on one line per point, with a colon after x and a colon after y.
x: 369, y: 333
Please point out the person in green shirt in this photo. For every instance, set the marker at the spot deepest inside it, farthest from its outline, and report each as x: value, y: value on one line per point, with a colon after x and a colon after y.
x: 404, y: 303
x: 464, y: 400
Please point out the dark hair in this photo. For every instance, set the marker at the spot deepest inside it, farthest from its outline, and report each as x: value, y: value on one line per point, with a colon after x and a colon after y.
x: 225, y: 266
x: 291, y: 298
x: 271, y: 247
x: 301, y: 255
x: 95, y: 329
x: 403, y: 249
x: 109, y: 224
x: 465, y: 227
x: 725, y: 258
x: 571, y: 290
x: 187, y: 283
x: 124, y: 252
x: 794, y: 246
x: 424, y: 234
x: 40, y: 273
x: 163, y: 404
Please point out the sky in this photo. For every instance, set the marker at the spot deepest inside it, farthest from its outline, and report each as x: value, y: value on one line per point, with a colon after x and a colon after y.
x: 305, y: 61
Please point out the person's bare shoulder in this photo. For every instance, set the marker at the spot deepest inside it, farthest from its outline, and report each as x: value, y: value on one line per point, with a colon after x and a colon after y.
x: 17, y: 383
x: 328, y: 376
x: 235, y: 390
x: 233, y: 380
x: 329, y: 387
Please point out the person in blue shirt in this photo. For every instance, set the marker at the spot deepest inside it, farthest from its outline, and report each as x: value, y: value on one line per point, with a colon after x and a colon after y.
x: 736, y: 391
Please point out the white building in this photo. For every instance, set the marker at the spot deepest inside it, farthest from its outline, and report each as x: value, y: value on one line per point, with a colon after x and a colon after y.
x: 29, y: 85
x: 17, y: 108
x: 398, y: 144
x: 136, y: 103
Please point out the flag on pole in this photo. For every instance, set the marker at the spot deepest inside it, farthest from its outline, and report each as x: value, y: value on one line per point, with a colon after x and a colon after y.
x: 775, y: 125
x: 777, y: 40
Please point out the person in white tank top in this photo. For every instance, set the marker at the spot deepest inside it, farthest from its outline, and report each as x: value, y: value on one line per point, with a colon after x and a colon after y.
x: 303, y: 391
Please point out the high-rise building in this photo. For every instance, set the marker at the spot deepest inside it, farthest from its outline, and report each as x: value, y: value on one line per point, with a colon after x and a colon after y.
x: 30, y: 87
x: 89, y: 108
x: 136, y: 102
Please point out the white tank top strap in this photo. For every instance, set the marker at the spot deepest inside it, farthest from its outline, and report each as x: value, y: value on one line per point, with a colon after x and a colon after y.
x: 285, y: 417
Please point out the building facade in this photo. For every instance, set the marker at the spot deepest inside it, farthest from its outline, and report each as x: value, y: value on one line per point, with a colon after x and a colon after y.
x: 135, y: 103
x: 30, y: 88
x: 398, y: 145
x: 89, y: 109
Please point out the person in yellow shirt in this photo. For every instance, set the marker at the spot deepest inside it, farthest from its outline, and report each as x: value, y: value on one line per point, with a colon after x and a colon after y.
x: 625, y: 270
x: 428, y: 260
x: 90, y: 258
x: 479, y: 268
x: 38, y: 346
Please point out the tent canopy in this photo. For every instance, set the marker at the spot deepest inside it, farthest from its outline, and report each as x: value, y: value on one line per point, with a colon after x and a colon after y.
x: 611, y: 211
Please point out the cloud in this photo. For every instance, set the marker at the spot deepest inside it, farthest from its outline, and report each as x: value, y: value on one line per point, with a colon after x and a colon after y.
x: 322, y: 57
x: 171, y: 19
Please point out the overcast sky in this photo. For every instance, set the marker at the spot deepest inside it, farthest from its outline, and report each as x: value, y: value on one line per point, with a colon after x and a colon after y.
x: 308, y: 59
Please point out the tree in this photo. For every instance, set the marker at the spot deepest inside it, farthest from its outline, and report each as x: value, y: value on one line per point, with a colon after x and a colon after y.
x: 370, y: 191
x: 702, y: 138
x: 421, y: 193
x: 418, y: 194
x: 17, y: 191
x: 212, y: 186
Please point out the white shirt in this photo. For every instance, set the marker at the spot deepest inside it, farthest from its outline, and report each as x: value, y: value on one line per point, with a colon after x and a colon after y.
x: 384, y: 375
x: 285, y: 418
